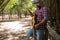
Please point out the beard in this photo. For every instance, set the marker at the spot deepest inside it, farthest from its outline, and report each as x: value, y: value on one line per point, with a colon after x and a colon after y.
x: 39, y: 7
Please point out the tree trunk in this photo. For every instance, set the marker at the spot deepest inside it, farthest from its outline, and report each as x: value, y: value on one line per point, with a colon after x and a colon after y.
x: 2, y: 6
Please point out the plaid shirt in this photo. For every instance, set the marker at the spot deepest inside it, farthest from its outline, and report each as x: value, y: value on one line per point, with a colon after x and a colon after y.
x: 41, y: 14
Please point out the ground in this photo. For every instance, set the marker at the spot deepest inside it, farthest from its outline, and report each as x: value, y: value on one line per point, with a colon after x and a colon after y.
x: 15, y: 30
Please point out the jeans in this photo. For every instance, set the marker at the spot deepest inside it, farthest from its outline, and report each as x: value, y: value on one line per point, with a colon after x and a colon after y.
x: 40, y: 34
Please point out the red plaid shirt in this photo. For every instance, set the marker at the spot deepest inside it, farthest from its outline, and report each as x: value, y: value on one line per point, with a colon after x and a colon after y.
x: 41, y: 13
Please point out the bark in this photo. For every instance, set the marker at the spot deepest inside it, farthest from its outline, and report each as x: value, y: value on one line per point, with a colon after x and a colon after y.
x: 2, y: 6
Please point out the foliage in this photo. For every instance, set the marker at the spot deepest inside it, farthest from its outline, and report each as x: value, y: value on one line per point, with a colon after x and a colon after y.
x: 19, y: 5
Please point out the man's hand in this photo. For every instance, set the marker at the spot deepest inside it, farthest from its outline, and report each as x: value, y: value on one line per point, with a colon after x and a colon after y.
x: 36, y: 26
x: 31, y: 14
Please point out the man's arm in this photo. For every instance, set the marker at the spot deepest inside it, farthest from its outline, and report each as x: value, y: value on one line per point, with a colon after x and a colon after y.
x: 31, y: 14
x: 40, y: 23
x: 45, y: 17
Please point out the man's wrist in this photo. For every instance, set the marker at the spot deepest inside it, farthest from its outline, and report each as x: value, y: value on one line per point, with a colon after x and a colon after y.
x: 38, y: 24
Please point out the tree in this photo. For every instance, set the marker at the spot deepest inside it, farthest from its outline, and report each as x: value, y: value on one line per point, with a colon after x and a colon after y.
x: 2, y: 6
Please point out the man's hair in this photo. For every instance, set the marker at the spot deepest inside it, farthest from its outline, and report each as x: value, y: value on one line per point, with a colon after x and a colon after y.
x: 38, y: 0
x: 35, y: 1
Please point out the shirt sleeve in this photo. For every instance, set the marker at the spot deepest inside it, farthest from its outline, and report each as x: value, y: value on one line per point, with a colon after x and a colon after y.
x: 45, y: 13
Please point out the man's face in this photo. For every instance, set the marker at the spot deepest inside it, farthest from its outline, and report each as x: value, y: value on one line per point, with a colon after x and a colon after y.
x: 38, y: 4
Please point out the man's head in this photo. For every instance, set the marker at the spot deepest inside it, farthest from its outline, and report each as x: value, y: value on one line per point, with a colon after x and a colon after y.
x: 38, y: 3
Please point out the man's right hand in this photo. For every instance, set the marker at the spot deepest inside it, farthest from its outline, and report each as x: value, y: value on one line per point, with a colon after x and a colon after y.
x: 31, y: 14
x: 36, y: 27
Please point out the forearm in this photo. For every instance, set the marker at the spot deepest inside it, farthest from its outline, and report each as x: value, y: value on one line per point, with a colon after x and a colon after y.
x: 42, y: 22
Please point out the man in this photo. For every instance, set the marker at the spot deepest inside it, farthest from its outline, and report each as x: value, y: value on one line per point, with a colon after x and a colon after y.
x: 40, y: 18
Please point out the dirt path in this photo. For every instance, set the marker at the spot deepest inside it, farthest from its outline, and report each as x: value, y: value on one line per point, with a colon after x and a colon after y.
x: 15, y: 30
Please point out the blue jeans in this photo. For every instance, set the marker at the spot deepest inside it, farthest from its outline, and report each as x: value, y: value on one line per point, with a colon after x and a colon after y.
x: 40, y: 34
